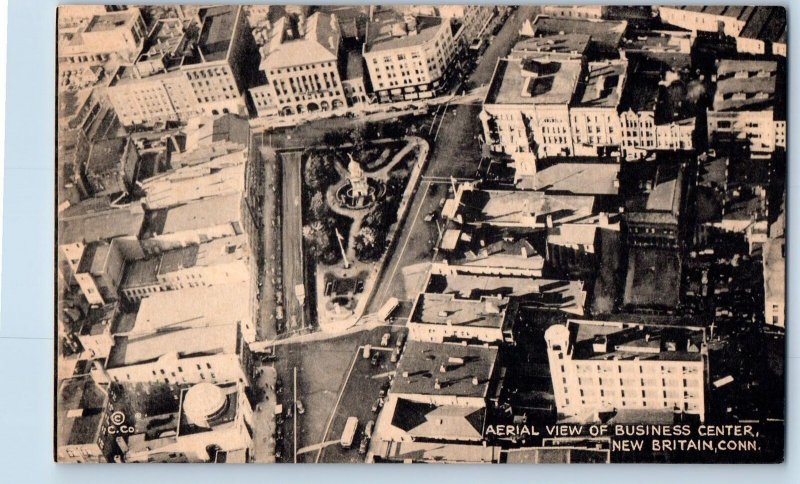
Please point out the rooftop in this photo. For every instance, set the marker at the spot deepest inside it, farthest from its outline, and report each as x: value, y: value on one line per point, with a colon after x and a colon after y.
x: 746, y: 85
x: 572, y: 234
x: 287, y: 47
x: 775, y: 270
x: 445, y: 309
x: 81, y: 406
x: 606, y: 340
x: 106, y: 155
x: 532, y: 81
x: 216, y: 32
x: 389, y: 30
x: 195, y: 215
x: 523, y: 208
x: 568, y: 43
x: 577, y: 179
x: 606, y: 33
x: 602, y: 86
x: 456, y: 369
x: 766, y: 23
x: 101, y: 224
x: 94, y: 257
x: 112, y: 20
x: 445, y: 422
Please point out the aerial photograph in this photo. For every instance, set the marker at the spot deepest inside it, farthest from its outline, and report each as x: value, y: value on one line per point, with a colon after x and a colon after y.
x: 420, y: 234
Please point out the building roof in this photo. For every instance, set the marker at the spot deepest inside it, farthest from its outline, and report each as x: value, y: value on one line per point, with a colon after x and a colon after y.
x: 111, y: 20
x: 766, y: 23
x: 606, y: 33
x: 565, y: 44
x: 746, y: 85
x: 196, y: 215
x: 577, y: 179
x: 81, y: 406
x: 607, y: 340
x: 775, y: 271
x: 640, y: 93
x: 355, y: 65
x: 438, y: 452
x: 106, y: 155
x: 222, y: 304
x: 216, y: 32
x: 441, y: 422
x: 573, y: 234
x: 561, y: 454
x: 102, y: 224
x: 445, y: 309
x: 523, y: 208
x: 467, y: 369
x: 737, y: 12
x: 94, y: 257
x: 390, y: 30
x: 533, y: 81
x: 602, y: 86
x: 568, y: 296
x: 320, y: 43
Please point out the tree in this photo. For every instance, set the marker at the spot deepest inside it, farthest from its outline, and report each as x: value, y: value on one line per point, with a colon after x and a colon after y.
x: 369, y: 244
x: 320, y: 243
x: 319, y: 172
x: 318, y: 207
x: 335, y: 138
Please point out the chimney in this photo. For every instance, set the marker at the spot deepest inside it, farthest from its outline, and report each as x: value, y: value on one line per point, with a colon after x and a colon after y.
x: 475, y: 381
x: 601, y: 82
x: 437, y: 385
x: 442, y: 369
x: 524, y: 251
x: 549, y: 221
x: 603, y: 218
x: 491, y: 308
x: 405, y: 374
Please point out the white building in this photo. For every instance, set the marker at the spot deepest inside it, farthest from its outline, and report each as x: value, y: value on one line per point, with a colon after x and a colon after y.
x: 201, y: 75
x: 103, y: 36
x: 408, y: 57
x: 301, y: 63
x: 599, y: 367
x: 748, y: 105
x: 443, y: 317
x: 595, y: 118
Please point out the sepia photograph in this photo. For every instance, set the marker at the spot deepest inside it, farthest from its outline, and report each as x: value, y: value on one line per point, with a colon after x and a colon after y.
x: 465, y: 234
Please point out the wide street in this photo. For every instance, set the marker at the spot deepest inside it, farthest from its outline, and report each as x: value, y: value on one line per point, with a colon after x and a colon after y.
x: 292, y: 236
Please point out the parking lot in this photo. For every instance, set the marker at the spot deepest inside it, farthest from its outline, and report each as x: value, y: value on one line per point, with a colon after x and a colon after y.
x: 358, y: 399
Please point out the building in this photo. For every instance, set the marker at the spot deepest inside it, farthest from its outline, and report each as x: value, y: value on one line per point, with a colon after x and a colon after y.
x: 566, y: 46
x: 748, y: 104
x: 473, y: 19
x: 204, y: 139
x: 774, y: 261
x: 757, y: 29
x: 204, y: 423
x: 564, y: 295
x: 575, y: 11
x: 671, y: 47
x: 443, y: 317
x: 100, y: 270
x: 95, y: 220
x: 568, y: 177
x: 119, y: 35
x: 201, y: 74
x: 224, y: 175
x: 600, y: 367
x: 595, y: 123
x: 526, y: 110
x: 606, y: 35
x: 214, y: 263
x: 301, y: 64
x: 194, y: 222
x: 658, y: 221
x: 82, y: 410
x: 574, y: 247
x: 110, y: 166
x: 408, y: 56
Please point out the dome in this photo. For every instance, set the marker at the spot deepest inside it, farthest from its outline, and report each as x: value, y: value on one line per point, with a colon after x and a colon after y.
x: 203, y: 401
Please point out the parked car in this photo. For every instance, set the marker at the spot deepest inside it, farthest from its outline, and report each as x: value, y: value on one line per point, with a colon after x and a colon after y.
x: 376, y: 359
x: 393, y: 358
x: 362, y: 447
x: 300, y: 408
x: 376, y: 406
x: 368, y: 429
x: 400, y: 339
x: 385, y: 339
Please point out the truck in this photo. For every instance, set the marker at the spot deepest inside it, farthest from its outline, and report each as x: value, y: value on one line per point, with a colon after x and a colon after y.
x: 388, y: 308
x: 349, y: 432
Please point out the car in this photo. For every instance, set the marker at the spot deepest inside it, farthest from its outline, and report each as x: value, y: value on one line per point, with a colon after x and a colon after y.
x: 400, y: 339
x: 362, y: 447
x: 430, y: 216
x: 376, y: 359
x: 368, y: 429
x: 376, y: 406
x: 278, y: 453
x: 289, y: 413
x: 393, y: 358
x: 382, y: 393
x: 385, y: 339
x: 300, y: 408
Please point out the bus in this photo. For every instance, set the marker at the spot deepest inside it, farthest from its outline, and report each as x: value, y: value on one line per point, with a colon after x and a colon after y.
x: 387, y: 309
x: 349, y: 432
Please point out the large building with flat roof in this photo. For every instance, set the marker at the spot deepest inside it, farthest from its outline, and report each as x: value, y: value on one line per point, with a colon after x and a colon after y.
x: 601, y: 367
x: 82, y: 409
x: 408, y: 56
x: 104, y: 36
x: 202, y: 75
x: 443, y: 317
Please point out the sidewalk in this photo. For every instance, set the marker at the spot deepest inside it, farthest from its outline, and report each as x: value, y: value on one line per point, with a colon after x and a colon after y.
x: 264, y: 417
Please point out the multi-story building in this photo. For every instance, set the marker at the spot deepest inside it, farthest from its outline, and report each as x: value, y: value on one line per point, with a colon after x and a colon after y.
x: 443, y: 317
x: 106, y: 35
x: 473, y: 19
x: 774, y: 261
x: 606, y: 35
x: 301, y: 64
x: 110, y: 166
x: 223, y: 175
x: 100, y: 271
x: 575, y: 11
x: 82, y: 409
x: 216, y: 263
x: 566, y: 46
x: 656, y: 220
x: 757, y: 29
x: 198, y: 423
x: 526, y: 109
x: 408, y: 56
x: 595, y: 119
x: 602, y: 367
x: 200, y: 74
x: 747, y: 105
x: 195, y: 222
